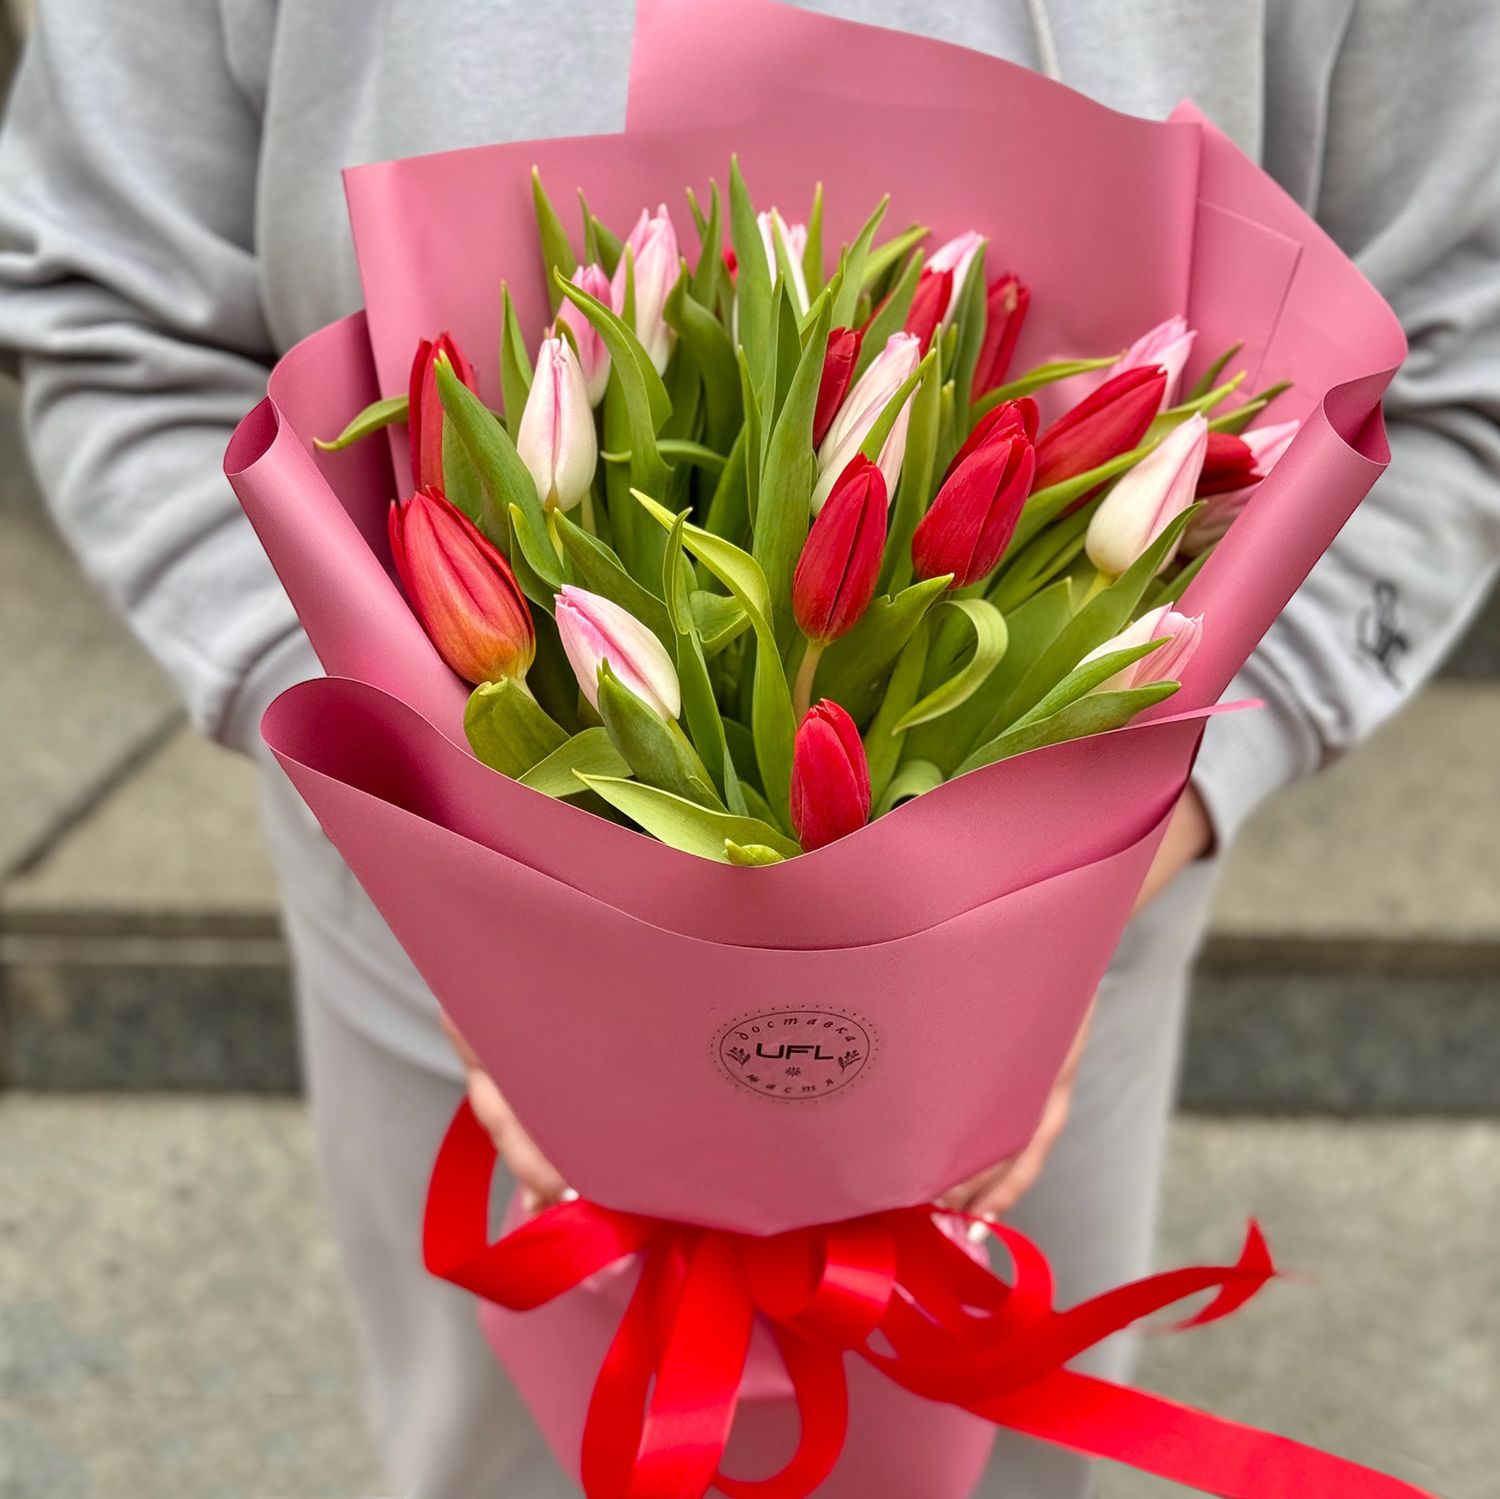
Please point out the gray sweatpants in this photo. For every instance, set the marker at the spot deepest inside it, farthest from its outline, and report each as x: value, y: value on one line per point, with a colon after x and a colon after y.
x: 383, y: 1084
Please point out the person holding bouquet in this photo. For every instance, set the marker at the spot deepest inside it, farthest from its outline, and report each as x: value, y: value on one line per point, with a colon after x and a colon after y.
x: 171, y: 221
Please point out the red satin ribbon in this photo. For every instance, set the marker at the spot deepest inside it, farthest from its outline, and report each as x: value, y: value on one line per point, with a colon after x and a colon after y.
x: 943, y: 1327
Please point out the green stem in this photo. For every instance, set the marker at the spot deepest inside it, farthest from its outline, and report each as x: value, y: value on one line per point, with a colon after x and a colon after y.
x: 802, y: 689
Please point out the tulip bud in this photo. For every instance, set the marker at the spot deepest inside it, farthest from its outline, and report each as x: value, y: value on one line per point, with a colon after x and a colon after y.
x: 838, y: 373
x: 1009, y: 419
x: 974, y: 515
x: 424, y: 413
x: 794, y: 240
x: 1266, y: 446
x: 1005, y: 311
x: 556, y: 439
x: 1166, y: 346
x: 830, y: 790
x: 653, y: 249
x: 840, y: 563
x: 1228, y: 464
x: 593, y: 357
x: 925, y: 317
x: 955, y: 257
x: 1181, y: 634
x: 1144, y: 499
x: 1106, y: 423
x: 872, y: 393
x: 595, y: 630
x: 461, y: 589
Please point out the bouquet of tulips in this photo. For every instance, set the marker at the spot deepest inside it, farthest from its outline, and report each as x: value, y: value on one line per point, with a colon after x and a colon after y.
x: 755, y: 551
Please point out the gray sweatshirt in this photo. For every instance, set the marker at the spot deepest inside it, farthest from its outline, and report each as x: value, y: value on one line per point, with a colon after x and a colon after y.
x: 171, y: 219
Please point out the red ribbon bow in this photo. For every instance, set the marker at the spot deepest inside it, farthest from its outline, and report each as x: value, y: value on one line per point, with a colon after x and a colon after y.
x: 891, y: 1288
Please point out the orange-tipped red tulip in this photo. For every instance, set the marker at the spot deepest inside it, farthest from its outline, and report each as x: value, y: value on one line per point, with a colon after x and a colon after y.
x: 1110, y: 421
x: 1005, y: 311
x: 424, y: 414
x: 974, y: 516
x: 830, y: 791
x: 840, y: 563
x: 462, y: 590
x: 838, y: 375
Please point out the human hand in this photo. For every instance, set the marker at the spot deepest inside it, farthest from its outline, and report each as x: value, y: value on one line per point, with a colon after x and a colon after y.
x: 539, y: 1181
x: 993, y: 1193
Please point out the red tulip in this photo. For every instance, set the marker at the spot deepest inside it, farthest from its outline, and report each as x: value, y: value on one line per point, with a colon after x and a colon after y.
x: 840, y: 563
x: 934, y: 288
x: 1008, y: 419
x: 1005, y: 311
x: 1103, y: 425
x: 838, y: 375
x: 424, y: 415
x: 461, y: 589
x: 1228, y: 465
x: 974, y: 515
x: 830, y: 791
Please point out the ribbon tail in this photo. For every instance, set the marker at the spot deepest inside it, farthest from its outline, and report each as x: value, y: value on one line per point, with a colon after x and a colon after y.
x: 1176, y: 1442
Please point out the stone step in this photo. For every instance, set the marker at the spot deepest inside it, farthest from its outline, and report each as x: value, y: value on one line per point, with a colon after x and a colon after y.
x: 193, y: 1341
x: 1353, y: 964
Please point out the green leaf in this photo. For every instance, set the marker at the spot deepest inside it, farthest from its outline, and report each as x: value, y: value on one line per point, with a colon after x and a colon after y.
x: 557, y: 253
x: 1085, y: 677
x: 915, y: 778
x: 1043, y: 374
x: 753, y: 280
x: 915, y: 486
x: 599, y: 243
x: 645, y: 396
x: 812, y: 252
x: 883, y: 741
x: 376, y: 415
x: 718, y: 620
x: 890, y: 316
x: 773, y: 723
x: 1102, y: 617
x: 590, y: 751
x: 657, y: 751
x: 461, y: 482
x: 505, y: 482
x: 853, y: 666
x: 515, y: 363
x: 791, y: 470
x: 709, y: 277
x: 1237, y: 420
x: 686, y: 825
x: 594, y: 566
x: 751, y: 855
x: 704, y: 338
x: 891, y: 254
x: 1045, y: 505
x: 1205, y: 381
x: 1175, y: 415
x: 507, y: 728
x: 541, y: 565
x: 729, y: 506
x: 1050, y: 552
x: 988, y: 625
x: 1169, y: 590
x: 969, y: 320
x: 1097, y: 714
x: 853, y: 263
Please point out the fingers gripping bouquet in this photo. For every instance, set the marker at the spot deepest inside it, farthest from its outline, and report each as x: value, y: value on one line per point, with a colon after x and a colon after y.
x: 891, y: 537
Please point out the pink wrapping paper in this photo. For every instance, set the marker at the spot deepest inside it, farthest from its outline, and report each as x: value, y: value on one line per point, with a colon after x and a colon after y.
x: 636, y: 1004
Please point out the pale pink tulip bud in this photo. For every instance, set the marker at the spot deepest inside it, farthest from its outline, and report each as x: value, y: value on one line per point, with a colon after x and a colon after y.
x: 593, y: 357
x: 1168, y: 344
x: 556, y: 440
x: 595, y: 630
x: 1180, y: 634
x: 1267, y: 445
x: 871, y: 394
x: 957, y: 255
x: 653, y: 248
x: 1145, y: 498
x: 794, y: 242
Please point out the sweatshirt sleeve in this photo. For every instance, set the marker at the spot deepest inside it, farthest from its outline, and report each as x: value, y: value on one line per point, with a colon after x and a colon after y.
x: 1409, y: 188
x: 128, y: 285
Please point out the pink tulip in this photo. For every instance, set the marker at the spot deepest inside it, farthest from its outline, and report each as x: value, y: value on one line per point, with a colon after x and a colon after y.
x: 461, y: 589
x: 595, y: 630
x: 556, y: 439
x: 1181, y: 635
x: 1145, y: 498
x: 593, y: 357
x: 1168, y: 344
x: 872, y: 393
x: 1267, y: 445
x: 794, y: 242
x: 653, y: 247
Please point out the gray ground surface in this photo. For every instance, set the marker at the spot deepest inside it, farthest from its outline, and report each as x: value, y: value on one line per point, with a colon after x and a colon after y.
x: 171, y: 1325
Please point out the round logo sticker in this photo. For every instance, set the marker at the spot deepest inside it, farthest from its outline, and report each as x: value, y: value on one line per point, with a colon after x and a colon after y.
x: 795, y: 1054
